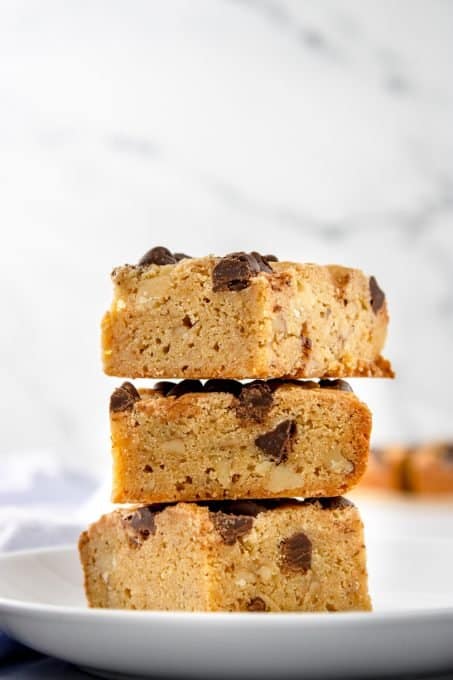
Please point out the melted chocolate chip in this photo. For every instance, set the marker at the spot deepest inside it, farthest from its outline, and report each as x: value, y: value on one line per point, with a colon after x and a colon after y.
x: 255, y: 398
x: 240, y: 507
x: 160, y: 256
x: 181, y: 256
x: 275, y: 383
x: 270, y: 258
x: 336, y: 384
x: 263, y: 264
x: 277, y: 443
x: 218, y: 385
x: 164, y: 386
x: 296, y: 553
x: 124, y: 398
x: 234, y: 271
x: 377, y: 298
x: 140, y: 524
x: 255, y: 401
x: 257, y: 604
x: 185, y: 387
x: 231, y: 527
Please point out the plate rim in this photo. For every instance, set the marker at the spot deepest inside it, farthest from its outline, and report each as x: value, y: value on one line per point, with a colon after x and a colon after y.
x: 11, y: 605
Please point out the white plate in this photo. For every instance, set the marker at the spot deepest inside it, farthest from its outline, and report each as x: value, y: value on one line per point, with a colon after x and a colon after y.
x: 411, y: 630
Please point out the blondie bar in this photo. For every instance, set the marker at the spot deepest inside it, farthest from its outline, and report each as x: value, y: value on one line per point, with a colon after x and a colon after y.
x: 429, y: 468
x: 243, y: 316
x: 386, y: 468
x: 189, y: 441
x: 238, y: 556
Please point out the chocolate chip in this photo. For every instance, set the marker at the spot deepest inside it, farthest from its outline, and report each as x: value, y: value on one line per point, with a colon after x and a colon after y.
x: 377, y: 295
x: 257, y: 604
x: 336, y: 384
x: 247, y: 508
x: 296, y: 553
x: 231, y: 527
x: 185, y: 387
x: 160, y: 256
x: 270, y: 258
x: 277, y: 443
x: 263, y: 265
x: 140, y: 524
x: 234, y: 271
x: 255, y: 401
x: 218, y: 385
x: 164, y: 386
x: 124, y: 398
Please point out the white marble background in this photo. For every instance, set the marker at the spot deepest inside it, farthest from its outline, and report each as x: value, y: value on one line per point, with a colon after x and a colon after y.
x: 321, y: 131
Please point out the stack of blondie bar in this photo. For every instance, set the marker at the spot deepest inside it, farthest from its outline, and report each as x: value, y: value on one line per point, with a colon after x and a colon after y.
x: 211, y: 471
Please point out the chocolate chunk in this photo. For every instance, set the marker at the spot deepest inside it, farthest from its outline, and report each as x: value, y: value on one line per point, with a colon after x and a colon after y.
x: 255, y: 401
x: 185, y: 387
x: 277, y: 443
x: 377, y: 295
x: 218, y: 385
x: 124, y: 398
x: 164, y: 386
x: 263, y: 264
x: 243, y: 507
x: 296, y: 553
x: 160, y: 255
x: 336, y: 384
x: 257, y: 604
x: 234, y: 271
x: 140, y: 524
x: 231, y: 527
x: 270, y: 258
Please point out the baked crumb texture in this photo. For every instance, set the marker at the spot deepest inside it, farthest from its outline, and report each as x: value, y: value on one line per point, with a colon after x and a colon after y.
x: 240, y: 556
x: 258, y: 440
x: 242, y: 318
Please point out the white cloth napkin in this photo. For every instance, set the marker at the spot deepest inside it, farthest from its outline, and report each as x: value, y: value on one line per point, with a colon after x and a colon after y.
x: 44, y: 502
